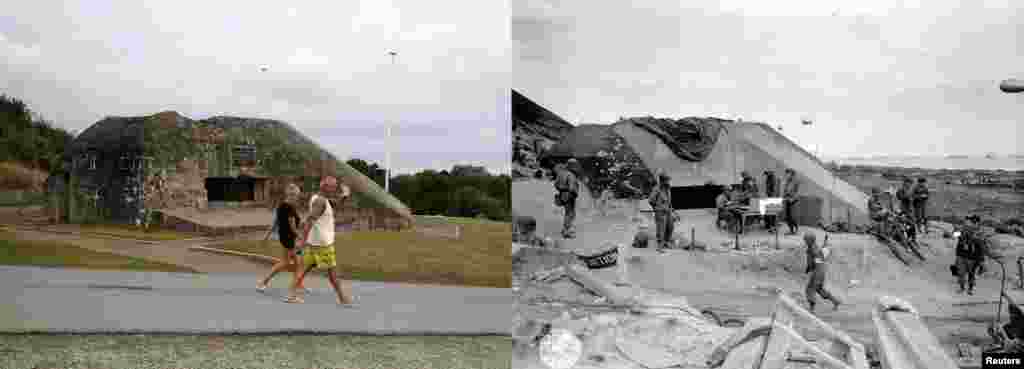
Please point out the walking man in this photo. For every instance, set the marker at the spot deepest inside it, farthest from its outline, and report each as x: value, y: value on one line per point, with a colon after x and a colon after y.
x: 771, y: 189
x: 790, y: 193
x: 971, y: 250
x: 817, y: 262
x: 920, y: 203
x: 661, y: 202
x: 319, y: 241
x: 568, y: 191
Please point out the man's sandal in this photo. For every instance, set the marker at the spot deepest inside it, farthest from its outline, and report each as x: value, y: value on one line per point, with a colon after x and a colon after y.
x: 294, y: 300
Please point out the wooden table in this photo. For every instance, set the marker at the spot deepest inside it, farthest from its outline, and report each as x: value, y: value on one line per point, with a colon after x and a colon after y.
x: 744, y: 212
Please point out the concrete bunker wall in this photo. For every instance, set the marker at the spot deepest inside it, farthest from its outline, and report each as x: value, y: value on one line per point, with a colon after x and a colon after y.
x: 747, y: 147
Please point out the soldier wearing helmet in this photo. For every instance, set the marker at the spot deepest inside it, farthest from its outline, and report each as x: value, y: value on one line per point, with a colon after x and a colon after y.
x: 661, y: 202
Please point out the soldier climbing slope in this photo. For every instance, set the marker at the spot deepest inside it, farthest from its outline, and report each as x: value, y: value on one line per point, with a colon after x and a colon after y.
x: 877, y: 211
x: 920, y: 202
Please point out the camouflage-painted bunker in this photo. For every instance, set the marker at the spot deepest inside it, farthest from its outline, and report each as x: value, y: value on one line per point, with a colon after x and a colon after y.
x: 121, y: 169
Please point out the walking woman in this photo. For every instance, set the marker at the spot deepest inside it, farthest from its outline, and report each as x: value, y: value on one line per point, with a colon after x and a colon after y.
x: 286, y: 219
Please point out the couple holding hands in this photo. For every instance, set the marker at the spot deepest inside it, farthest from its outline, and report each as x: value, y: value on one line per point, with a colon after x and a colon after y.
x: 313, y: 247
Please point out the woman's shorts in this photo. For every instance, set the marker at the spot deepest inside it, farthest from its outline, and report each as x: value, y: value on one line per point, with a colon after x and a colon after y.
x: 319, y: 256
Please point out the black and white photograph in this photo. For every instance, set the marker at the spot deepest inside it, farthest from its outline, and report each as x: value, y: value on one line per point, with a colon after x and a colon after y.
x: 237, y: 184
x: 744, y: 184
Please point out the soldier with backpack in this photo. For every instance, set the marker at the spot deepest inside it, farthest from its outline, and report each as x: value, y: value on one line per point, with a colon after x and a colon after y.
x: 971, y: 250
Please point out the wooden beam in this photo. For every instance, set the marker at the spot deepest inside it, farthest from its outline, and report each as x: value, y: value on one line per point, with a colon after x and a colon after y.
x: 822, y: 356
x: 777, y: 347
x: 753, y: 328
x: 797, y: 310
x: 606, y: 289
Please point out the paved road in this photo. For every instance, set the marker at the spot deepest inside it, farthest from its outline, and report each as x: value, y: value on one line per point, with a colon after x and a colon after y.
x: 48, y: 300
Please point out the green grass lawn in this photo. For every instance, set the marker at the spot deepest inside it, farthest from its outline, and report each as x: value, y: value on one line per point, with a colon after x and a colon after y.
x: 134, y: 232
x: 14, y: 251
x: 435, y: 220
x: 294, y: 351
x: 481, y: 258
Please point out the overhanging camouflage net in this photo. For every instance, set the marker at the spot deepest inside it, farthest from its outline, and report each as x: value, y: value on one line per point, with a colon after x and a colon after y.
x: 691, y: 139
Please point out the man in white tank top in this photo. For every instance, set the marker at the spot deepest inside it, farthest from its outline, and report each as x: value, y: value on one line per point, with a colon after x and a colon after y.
x: 319, y: 241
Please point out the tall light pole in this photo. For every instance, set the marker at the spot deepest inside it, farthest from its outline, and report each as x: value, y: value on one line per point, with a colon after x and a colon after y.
x: 387, y: 133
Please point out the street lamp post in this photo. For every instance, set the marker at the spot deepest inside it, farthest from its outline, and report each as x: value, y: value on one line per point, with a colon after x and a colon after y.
x: 387, y: 141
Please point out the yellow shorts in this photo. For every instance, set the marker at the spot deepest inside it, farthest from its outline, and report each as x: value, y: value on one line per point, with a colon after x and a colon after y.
x: 320, y: 256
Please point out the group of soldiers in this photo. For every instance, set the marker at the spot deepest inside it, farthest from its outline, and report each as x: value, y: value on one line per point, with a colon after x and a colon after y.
x: 660, y: 200
x: 567, y: 188
x: 912, y: 200
x: 740, y: 196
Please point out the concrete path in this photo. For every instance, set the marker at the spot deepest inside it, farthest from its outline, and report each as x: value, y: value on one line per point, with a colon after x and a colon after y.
x: 49, y: 300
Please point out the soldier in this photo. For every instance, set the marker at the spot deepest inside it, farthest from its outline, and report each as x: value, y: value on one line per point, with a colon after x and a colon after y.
x: 790, y: 193
x: 971, y: 249
x: 817, y: 261
x: 749, y: 188
x: 568, y: 190
x: 771, y: 189
x: 661, y: 202
x: 905, y: 195
x: 920, y: 202
x: 877, y: 210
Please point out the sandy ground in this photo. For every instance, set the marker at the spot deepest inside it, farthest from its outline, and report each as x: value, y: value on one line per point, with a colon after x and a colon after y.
x: 721, y: 277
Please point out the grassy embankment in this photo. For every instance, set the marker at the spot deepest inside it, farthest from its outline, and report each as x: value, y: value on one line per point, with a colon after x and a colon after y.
x: 334, y: 351
x: 14, y: 251
x: 481, y: 257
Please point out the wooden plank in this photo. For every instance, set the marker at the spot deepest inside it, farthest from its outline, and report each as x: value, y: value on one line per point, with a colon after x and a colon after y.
x: 754, y: 328
x: 920, y: 342
x: 822, y: 356
x: 798, y: 311
x: 744, y: 355
x: 777, y: 347
x: 588, y: 280
x: 857, y: 358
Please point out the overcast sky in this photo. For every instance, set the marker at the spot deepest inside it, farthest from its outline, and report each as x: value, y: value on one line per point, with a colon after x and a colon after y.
x: 329, y: 73
x: 877, y: 77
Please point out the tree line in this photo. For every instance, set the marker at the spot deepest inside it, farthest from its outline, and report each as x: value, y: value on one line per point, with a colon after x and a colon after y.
x: 28, y: 138
x: 463, y: 191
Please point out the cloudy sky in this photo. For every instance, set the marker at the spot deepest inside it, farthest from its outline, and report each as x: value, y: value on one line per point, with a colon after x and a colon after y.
x: 878, y: 77
x: 329, y: 72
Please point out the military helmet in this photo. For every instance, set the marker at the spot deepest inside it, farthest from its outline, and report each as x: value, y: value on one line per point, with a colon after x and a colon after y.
x: 810, y: 237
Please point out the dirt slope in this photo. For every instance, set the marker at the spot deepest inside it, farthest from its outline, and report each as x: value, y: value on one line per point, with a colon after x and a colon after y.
x: 862, y: 269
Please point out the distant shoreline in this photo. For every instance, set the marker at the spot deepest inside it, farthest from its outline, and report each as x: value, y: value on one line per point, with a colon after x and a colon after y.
x: 936, y: 164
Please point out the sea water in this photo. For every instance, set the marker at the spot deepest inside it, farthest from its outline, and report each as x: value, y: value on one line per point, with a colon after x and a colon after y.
x: 1009, y: 163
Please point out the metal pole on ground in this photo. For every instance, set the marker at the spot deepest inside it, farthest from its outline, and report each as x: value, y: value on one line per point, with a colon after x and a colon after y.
x: 692, y: 240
